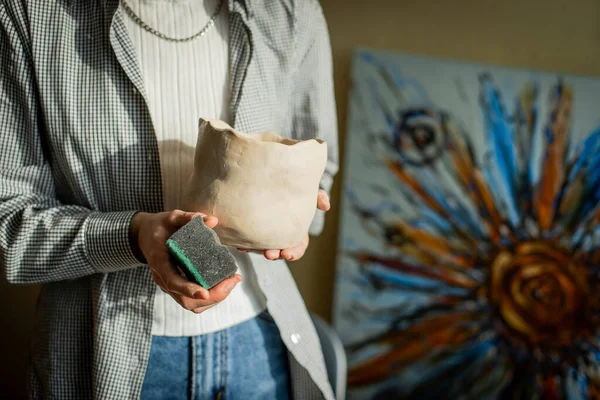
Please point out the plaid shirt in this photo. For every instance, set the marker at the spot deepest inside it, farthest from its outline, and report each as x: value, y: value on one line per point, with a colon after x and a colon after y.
x: 79, y: 157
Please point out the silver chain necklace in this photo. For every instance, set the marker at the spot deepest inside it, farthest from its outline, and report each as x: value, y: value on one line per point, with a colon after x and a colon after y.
x: 153, y: 31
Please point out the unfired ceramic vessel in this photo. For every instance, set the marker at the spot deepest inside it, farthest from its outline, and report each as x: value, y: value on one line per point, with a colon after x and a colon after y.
x: 262, y: 187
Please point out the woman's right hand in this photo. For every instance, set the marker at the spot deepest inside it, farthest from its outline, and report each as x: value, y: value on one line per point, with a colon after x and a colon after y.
x: 149, y: 234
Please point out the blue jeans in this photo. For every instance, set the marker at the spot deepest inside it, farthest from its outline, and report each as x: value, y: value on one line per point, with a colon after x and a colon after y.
x: 245, y: 361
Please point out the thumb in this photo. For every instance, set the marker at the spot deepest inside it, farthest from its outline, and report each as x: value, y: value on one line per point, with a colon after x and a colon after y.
x: 222, y: 290
x: 323, y: 201
x: 210, y: 221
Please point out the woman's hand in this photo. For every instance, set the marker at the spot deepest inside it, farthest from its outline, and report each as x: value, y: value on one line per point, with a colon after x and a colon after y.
x: 291, y: 254
x: 149, y: 232
x: 296, y: 252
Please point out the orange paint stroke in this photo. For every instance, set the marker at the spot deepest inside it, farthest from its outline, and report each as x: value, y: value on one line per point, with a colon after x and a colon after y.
x: 554, y: 161
x: 452, y: 251
x: 474, y: 184
x: 430, y: 201
x: 413, y: 344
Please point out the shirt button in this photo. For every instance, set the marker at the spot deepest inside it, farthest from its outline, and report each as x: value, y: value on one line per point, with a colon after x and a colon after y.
x: 295, y: 338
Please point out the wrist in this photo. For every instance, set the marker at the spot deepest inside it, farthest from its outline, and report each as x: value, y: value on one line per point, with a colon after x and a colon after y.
x: 134, y: 233
x: 107, y: 241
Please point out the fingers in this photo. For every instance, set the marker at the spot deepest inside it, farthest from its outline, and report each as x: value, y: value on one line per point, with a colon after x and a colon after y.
x: 272, y: 254
x: 211, y: 221
x: 215, y: 295
x: 173, y: 282
x: 243, y: 250
x: 189, y: 295
x: 219, y: 292
x: 296, y: 252
x: 202, y: 294
x: 323, y: 201
x: 293, y: 254
x: 179, y: 218
x: 202, y: 309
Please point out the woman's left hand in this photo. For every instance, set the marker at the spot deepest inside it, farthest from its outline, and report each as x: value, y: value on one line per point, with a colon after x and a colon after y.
x: 296, y: 252
x: 291, y: 254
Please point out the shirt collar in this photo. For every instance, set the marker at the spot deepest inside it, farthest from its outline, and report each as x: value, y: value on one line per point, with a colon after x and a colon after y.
x: 244, y: 6
x: 241, y: 6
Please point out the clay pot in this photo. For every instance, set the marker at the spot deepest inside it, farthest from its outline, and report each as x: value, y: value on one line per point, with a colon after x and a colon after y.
x: 262, y: 187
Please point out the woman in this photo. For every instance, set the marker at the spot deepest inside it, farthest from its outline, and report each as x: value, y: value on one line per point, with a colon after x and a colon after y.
x: 99, y: 102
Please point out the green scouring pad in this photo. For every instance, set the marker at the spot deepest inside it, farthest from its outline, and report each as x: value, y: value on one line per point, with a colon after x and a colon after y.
x: 197, y: 250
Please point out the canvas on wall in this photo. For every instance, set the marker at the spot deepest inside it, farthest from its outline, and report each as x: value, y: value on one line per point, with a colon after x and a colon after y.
x: 469, y: 252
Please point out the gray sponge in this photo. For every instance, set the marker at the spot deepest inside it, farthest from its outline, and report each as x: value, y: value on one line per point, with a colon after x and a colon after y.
x: 196, y: 249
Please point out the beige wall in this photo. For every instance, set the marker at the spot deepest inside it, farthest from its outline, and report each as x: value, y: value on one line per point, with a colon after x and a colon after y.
x: 557, y: 35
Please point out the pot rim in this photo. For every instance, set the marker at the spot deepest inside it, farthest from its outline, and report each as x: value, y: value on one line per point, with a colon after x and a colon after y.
x: 253, y: 137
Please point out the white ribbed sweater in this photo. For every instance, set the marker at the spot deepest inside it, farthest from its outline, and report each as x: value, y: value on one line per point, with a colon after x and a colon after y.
x: 183, y: 82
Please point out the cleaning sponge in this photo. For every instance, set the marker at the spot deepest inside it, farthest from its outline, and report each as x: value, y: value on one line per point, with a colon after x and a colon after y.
x: 196, y: 249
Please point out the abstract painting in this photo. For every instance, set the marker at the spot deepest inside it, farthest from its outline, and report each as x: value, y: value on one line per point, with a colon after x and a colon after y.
x: 469, y: 252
